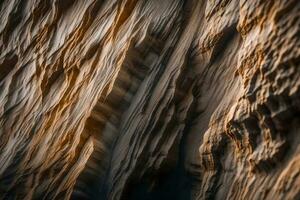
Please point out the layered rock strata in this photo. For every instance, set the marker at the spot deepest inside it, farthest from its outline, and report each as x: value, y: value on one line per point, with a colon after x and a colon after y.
x: 149, y: 99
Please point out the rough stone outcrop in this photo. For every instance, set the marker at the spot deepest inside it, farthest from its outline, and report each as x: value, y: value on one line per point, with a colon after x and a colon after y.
x: 150, y: 99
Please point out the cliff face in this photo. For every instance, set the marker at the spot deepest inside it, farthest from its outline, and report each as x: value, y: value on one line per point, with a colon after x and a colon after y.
x: 149, y: 99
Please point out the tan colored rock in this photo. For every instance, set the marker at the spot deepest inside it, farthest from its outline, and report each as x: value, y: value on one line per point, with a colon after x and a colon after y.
x: 149, y: 99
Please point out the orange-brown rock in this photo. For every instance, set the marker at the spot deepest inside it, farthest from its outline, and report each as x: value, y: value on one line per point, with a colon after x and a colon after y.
x: 150, y: 99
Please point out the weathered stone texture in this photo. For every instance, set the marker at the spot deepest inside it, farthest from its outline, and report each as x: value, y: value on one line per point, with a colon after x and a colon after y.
x: 150, y: 99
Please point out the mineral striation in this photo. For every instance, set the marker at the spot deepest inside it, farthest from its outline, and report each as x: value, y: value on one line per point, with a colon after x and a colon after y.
x: 150, y: 99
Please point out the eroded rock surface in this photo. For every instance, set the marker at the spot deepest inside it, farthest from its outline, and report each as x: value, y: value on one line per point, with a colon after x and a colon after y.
x: 150, y: 99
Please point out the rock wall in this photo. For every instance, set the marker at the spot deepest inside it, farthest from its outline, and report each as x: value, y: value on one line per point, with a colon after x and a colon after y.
x: 149, y: 99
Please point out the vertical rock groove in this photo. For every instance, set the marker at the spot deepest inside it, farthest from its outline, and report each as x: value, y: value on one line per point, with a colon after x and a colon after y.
x: 149, y: 99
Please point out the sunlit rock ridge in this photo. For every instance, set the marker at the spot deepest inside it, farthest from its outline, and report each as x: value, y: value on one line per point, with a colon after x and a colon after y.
x: 150, y: 99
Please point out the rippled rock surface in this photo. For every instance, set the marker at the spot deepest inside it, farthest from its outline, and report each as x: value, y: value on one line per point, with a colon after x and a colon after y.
x: 150, y: 99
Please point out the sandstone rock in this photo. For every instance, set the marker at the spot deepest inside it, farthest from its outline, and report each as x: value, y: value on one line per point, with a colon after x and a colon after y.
x: 149, y: 99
